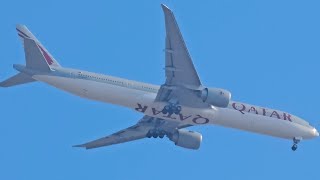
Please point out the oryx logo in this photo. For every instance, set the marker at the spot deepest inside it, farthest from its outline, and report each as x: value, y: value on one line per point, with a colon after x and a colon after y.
x: 46, y: 55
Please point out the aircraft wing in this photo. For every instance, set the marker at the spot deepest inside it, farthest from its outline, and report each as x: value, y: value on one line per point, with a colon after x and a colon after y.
x: 135, y: 132
x: 182, y: 80
x: 179, y: 67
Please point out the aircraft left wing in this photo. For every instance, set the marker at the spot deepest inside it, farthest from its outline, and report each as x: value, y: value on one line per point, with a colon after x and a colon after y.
x: 135, y: 132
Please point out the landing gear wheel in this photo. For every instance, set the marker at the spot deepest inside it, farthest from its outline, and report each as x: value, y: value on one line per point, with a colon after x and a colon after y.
x: 177, y: 110
x: 161, y: 134
x: 149, y: 135
x: 166, y: 109
x: 155, y: 135
x: 296, y: 140
x: 294, y: 147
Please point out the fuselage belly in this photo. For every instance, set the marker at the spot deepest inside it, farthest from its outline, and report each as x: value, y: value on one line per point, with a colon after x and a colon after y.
x: 236, y: 115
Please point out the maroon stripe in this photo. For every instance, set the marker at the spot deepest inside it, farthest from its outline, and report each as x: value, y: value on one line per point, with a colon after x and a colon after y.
x: 22, y: 33
x: 46, y: 55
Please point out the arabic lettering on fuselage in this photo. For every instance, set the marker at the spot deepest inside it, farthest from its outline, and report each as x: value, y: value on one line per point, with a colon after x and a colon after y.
x: 197, y: 119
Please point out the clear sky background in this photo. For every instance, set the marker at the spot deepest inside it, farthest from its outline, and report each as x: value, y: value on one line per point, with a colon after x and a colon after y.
x: 264, y: 52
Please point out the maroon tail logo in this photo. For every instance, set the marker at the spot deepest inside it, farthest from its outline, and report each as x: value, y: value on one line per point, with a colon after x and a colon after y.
x: 46, y: 56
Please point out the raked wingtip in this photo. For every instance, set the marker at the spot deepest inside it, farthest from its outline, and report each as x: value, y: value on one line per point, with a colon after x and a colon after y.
x: 79, y: 146
x: 165, y: 7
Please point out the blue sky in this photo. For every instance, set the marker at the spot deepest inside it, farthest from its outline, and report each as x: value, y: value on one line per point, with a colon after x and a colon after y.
x: 264, y: 52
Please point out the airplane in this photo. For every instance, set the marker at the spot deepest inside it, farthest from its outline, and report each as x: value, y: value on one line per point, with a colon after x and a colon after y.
x: 181, y: 102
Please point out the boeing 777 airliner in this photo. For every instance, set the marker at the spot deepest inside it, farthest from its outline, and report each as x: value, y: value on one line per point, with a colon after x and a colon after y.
x: 182, y: 101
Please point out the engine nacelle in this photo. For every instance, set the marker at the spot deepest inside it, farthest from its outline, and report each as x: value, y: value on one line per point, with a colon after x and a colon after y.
x: 187, y: 139
x: 216, y: 97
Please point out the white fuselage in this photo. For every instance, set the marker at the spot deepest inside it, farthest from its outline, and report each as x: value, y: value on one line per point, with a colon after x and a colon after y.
x: 141, y: 97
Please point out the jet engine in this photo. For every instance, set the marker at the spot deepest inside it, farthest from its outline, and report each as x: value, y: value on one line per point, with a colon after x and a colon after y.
x: 216, y: 97
x: 186, y: 139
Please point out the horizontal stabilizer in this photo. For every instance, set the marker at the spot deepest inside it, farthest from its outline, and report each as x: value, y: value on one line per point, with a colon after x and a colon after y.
x: 17, y: 80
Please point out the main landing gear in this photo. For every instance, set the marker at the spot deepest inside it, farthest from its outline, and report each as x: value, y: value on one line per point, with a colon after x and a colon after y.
x: 296, y: 140
x: 171, y: 109
x: 156, y: 133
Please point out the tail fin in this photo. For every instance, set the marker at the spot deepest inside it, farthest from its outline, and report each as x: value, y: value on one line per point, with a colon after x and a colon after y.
x: 18, y: 79
x: 34, y: 57
x: 37, y: 58
x: 32, y: 45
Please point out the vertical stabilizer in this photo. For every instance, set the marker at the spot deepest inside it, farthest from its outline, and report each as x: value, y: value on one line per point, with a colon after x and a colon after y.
x: 35, y: 58
x: 26, y: 35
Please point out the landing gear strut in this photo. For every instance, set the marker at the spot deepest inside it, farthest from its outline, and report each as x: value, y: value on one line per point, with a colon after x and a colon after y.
x: 296, y: 140
x: 156, y: 133
x: 171, y: 109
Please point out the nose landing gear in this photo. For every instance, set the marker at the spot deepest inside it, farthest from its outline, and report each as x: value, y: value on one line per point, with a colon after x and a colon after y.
x: 294, y: 147
x: 296, y: 140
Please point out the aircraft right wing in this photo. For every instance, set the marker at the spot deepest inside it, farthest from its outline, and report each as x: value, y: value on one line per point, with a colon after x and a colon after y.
x: 135, y: 132
x: 182, y: 84
x: 179, y: 67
